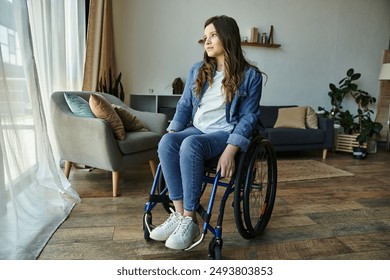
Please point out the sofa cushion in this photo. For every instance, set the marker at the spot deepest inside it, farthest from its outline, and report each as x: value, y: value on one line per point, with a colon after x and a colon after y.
x: 294, y: 117
x: 269, y: 114
x: 311, y: 118
x: 293, y: 136
x: 78, y: 105
x: 140, y: 141
x: 103, y: 110
x: 130, y: 122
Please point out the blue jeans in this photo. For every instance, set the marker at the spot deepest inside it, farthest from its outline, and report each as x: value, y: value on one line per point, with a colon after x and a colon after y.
x: 182, y: 156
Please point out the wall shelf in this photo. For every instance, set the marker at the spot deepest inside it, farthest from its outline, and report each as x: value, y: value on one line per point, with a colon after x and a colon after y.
x: 258, y: 45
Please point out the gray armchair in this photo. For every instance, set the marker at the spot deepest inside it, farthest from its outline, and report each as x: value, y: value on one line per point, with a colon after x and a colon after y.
x: 90, y: 141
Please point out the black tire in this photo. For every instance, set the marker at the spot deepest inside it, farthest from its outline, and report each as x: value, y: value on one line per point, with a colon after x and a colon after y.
x: 238, y: 198
x: 257, y: 189
x: 215, y: 249
x: 260, y: 188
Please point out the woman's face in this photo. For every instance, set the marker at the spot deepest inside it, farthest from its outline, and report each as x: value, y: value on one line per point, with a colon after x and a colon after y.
x: 212, y: 44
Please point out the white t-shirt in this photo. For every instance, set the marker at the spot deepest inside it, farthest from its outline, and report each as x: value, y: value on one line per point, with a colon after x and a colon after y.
x: 211, y: 113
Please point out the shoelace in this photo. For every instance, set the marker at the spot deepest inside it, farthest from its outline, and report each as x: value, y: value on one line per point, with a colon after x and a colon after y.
x: 172, y: 216
x: 183, y: 226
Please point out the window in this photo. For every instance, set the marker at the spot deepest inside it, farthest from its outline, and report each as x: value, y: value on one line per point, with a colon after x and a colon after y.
x: 15, y: 106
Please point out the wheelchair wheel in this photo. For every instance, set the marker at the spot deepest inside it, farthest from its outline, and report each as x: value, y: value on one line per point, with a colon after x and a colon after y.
x: 255, y: 188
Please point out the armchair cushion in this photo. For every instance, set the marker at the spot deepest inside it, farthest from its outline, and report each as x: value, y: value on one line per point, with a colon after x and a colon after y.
x: 130, y: 122
x: 138, y: 141
x: 78, y: 105
x: 103, y: 110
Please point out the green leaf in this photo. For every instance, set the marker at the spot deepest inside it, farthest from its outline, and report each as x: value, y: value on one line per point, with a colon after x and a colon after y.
x: 355, y: 76
x: 350, y: 72
x: 353, y: 87
x: 110, y: 81
x: 342, y: 81
x: 121, y: 92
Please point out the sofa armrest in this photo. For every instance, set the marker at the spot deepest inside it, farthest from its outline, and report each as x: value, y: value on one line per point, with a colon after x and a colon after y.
x: 327, y: 125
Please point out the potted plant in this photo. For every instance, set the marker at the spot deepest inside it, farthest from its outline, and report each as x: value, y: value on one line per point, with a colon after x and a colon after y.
x: 112, y: 85
x: 360, y: 124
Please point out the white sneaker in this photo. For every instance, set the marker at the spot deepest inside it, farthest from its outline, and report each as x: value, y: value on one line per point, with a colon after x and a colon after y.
x: 184, y: 235
x: 163, y: 231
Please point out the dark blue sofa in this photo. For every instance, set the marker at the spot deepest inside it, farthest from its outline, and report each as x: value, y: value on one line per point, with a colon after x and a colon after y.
x: 295, y: 139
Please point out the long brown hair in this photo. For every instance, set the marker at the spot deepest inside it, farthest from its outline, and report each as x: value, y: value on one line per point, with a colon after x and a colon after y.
x: 235, y: 62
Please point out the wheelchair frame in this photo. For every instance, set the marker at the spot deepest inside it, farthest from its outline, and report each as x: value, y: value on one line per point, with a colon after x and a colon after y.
x: 255, y: 180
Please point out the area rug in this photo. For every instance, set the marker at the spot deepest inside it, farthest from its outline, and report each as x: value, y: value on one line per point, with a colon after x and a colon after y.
x: 301, y: 170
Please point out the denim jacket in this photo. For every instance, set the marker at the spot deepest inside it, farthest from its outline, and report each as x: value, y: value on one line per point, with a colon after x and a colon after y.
x: 243, y: 111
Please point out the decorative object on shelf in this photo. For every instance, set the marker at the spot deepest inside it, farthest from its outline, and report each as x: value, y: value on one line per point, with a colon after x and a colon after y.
x: 364, y: 128
x: 177, y: 86
x: 254, y: 35
x: 264, y: 39
x: 111, y: 85
x: 270, y: 40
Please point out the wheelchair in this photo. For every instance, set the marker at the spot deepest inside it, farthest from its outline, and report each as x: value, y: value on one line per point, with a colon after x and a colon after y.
x: 253, y: 185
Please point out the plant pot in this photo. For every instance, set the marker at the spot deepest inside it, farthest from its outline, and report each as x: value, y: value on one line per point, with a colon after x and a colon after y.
x: 359, y: 152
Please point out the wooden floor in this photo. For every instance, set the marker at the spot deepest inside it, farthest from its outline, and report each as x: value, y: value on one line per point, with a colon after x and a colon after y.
x: 337, y: 218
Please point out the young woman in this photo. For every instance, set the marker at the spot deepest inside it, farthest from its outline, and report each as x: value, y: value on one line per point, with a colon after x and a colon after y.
x: 215, y: 116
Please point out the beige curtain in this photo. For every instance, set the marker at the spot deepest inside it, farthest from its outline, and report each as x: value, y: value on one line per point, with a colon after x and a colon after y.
x: 100, y: 44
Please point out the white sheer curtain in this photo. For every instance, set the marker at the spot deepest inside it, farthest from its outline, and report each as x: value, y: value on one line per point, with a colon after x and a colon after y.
x: 59, y: 37
x: 35, y: 196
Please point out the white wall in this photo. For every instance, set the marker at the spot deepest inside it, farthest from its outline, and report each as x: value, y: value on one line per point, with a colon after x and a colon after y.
x: 156, y: 41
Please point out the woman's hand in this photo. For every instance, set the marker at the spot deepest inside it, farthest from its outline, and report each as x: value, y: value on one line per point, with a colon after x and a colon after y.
x: 226, y: 162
